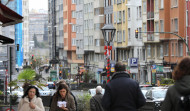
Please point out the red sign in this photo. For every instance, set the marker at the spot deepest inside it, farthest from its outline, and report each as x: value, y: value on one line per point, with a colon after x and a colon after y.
x: 8, y: 109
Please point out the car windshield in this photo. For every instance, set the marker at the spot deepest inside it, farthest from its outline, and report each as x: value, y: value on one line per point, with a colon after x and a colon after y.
x: 159, y: 93
x: 44, y: 89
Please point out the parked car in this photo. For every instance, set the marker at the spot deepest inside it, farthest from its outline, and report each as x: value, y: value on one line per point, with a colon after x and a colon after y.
x: 156, y: 95
x: 92, y: 92
x: 51, y: 85
x: 45, y: 91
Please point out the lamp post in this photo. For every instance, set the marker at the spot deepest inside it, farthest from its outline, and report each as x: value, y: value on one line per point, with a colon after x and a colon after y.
x: 107, y: 31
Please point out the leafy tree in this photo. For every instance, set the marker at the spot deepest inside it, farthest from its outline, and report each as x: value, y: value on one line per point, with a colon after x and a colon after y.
x: 27, y: 76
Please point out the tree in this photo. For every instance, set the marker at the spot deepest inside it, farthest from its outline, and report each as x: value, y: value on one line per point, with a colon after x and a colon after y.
x: 27, y: 76
x: 36, y: 43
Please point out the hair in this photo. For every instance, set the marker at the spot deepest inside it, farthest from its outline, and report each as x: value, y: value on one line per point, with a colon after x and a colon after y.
x: 119, y: 66
x: 62, y: 86
x: 182, y: 69
x: 98, y: 89
x: 30, y: 87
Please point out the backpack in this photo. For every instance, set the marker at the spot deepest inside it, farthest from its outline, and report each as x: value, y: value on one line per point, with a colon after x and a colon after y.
x: 184, y: 103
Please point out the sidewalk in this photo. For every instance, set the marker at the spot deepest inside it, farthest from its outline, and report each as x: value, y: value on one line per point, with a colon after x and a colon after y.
x: 14, y: 107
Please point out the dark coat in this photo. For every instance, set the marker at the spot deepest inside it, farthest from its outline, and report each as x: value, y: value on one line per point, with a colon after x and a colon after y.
x: 181, y: 87
x: 122, y: 94
x: 69, y: 99
x: 95, y: 103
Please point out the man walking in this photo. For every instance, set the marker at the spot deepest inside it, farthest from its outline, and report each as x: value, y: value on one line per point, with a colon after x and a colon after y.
x: 122, y: 93
x: 95, y: 101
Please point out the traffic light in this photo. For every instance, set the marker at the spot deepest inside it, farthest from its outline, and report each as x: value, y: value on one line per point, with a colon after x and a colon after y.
x: 17, y: 47
x: 136, y: 33
x: 32, y: 57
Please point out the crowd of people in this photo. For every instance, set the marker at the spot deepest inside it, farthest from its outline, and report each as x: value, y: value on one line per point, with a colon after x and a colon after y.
x: 121, y: 94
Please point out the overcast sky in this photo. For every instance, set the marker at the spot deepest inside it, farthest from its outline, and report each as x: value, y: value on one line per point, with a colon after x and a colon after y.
x: 38, y: 4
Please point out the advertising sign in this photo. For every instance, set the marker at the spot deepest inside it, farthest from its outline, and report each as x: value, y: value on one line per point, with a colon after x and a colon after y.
x: 74, y: 68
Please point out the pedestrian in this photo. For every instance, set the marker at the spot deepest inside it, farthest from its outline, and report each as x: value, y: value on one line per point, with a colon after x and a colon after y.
x: 63, y: 82
x: 181, y: 87
x: 122, y: 93
x: 31, y: 101
x: 95, y: 101
x: 62, y: 95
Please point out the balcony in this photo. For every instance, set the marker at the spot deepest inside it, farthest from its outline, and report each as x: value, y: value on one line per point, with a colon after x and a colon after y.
x: 150, y: 15
x: 150, y: 37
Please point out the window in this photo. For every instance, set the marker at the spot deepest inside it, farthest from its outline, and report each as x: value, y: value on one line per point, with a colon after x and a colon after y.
x: 139, y: 34
x: 144, y: 26
x: 129, y: 14
x: 176, y: 49
x: 97, y: 42
x: 129, y: 33
x: 180, y: 49
x: 166, y: 50
x: 161, y: 25
x: 73, y: 28
x: 149, y: 51
x: 115, y: 17
x: 119, y: 17
x: 174, y: 3
x: 156, y: 5
x: 119, y: 36
x: 81, y: 29
x: 86, y: 40
x: 153, y: 51
x: 158, y: 51
x: 176, y: 25
x: 73, y: 1
x: 73, y: 14
x: 144, y: 6
x: 156, y: 27
x: 73, y: 42
x: 161, y: 4
x: 172, y: 49
x: 124, y: 16
x: 123, y: 35
x: 139, y: 13
x: 161, y: 51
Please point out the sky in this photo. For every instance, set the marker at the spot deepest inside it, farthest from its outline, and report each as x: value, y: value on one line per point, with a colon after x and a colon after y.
x: 38, y: 4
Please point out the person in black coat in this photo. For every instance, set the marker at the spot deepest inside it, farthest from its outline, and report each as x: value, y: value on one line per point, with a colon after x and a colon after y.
x: 122, y: 93
x: 95, y: 101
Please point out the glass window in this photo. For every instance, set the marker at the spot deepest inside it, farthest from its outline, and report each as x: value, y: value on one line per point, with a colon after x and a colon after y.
x: 149, y: 51
x: 156, y: 27
x: 180, y: 49
x: 172, y: 49
x: 144, y: 6
x: 124, y: 16
x: 129, y: 14
x: 156, y: 5
x: 161, y: 25
x: 123, y: 35
x: 166, y: 50
x: 129, y: 33
x: 161, y: 4
x: 161, y: 51
x: 176, y: 25
x: 176, y: 49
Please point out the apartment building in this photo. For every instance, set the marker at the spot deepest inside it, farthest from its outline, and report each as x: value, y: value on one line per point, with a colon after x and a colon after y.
x: 163, y: 50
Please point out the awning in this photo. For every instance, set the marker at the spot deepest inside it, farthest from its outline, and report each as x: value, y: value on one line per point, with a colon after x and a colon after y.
x: 6, y: 40
x: 8, y: 16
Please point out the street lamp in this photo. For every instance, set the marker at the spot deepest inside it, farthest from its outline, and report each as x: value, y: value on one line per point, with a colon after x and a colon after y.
x: 107, y: 31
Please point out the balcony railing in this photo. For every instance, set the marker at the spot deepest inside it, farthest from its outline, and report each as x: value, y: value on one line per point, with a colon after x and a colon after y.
x: 150, y: 37
x: 150, y: 15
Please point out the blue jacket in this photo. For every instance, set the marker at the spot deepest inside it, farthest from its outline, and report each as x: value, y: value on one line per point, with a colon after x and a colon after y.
x: 122, y: 94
